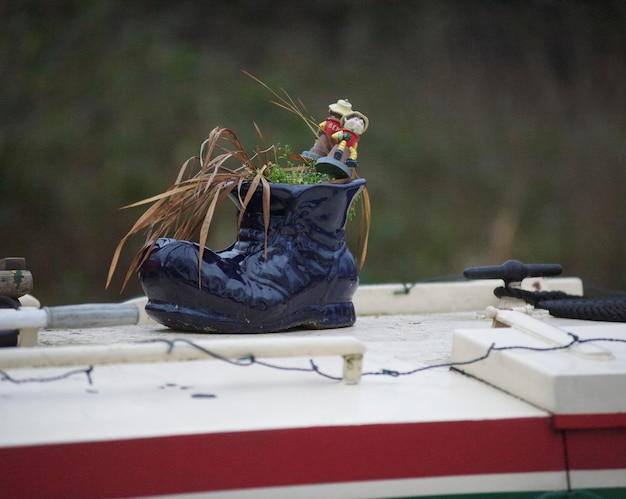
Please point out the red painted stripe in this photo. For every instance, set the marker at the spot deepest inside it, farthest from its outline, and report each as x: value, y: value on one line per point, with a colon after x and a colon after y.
x: 221, y: 461
x: 596, y: 449
x: 581, y: 421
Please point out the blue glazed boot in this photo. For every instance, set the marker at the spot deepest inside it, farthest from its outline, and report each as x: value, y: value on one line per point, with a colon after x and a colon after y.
x: 308, y: 278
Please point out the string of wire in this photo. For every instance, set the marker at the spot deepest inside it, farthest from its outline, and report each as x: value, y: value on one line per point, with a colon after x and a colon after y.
x: 313, y: 368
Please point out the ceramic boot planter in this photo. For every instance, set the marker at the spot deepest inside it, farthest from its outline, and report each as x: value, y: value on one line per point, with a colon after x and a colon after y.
x: 308, y: 277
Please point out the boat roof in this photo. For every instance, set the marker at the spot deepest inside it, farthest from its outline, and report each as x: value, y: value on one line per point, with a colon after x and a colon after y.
x: 429, y: 374
x: 407, y: 368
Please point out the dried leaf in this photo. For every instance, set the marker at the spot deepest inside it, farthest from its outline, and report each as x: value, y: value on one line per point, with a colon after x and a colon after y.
x: 204, y: 230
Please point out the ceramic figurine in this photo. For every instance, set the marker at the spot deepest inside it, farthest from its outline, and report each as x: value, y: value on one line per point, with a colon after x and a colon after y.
x: 342, y: 158
x: 327, y: 128
x: 303, y: 274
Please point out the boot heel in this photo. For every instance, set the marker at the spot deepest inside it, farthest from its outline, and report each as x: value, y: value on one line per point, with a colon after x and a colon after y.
x: 333, y: 315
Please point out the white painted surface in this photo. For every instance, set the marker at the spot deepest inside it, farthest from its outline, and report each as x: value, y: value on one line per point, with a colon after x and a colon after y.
x: 562, y: 381
x: 130, y: 400
x: 589, y: 479
x: 552, y: 336
x: 438, y: 297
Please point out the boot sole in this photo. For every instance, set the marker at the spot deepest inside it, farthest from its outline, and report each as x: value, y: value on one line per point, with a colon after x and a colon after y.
x: 336, y: 315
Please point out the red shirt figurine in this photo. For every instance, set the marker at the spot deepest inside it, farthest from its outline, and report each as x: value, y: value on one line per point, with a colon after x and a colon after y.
x: 327, y: 128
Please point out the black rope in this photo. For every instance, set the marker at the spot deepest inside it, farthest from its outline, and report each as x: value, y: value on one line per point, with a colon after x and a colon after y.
x: 596, y: 309
x: 560, y: 304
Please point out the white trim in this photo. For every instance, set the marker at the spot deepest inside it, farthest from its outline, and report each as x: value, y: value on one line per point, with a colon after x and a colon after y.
x: 588, y: 479
x: 347, y: 347
x: 399, y: 299
x: 466, y: 484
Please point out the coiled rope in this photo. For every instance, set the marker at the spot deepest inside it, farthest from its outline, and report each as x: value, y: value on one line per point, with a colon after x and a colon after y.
x: 560, y: 304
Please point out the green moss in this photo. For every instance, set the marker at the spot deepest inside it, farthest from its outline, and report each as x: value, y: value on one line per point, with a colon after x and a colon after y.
x: 289, y: 168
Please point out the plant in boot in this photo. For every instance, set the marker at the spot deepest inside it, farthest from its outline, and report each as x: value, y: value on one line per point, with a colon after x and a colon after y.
x: 285, y: 170
x: 290, y: 265
x: 298, y: 273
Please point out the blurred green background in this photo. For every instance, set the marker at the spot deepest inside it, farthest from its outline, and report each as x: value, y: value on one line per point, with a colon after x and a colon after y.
x: 497, y: 128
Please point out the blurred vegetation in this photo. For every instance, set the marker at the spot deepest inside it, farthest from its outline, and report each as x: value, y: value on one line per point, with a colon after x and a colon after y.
x: 498, y: 128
